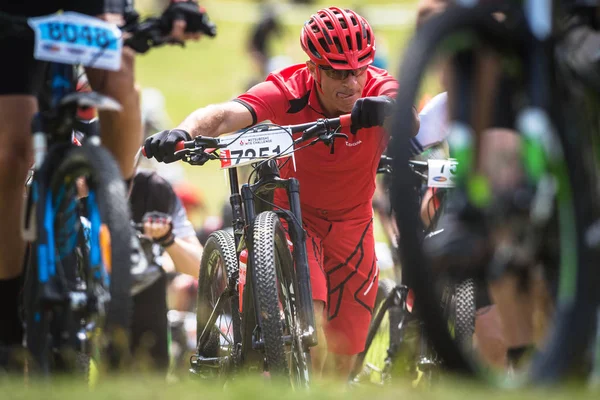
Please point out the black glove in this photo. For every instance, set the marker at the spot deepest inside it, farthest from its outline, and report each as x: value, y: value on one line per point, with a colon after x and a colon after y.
x: 192, y: 13
x: 161, y: 145
x: 160, y: 217
x: 370, y: 111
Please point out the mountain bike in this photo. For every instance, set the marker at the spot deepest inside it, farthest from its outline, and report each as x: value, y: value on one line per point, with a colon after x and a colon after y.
x: 254, y: 304
x: 396, y: 343
x: 76, y: 299
x: 539, y: 233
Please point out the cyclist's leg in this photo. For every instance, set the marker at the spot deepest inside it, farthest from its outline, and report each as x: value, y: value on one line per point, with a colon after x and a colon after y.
x: 121, y: 132
x: 499, y: 160
x: 314, y: 250
x: 352, y: 276
x: 315, y: 229
x: 20, y: 80
x: 500, y: 152
x: 16, y: 112
x: 489, y: 339
x: 318, y: 354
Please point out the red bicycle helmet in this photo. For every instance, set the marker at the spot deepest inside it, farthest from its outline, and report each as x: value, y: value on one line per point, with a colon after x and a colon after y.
x: 338, y: 38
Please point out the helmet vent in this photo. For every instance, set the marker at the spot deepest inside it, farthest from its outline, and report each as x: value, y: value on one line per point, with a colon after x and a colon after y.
x: 338, y: 45
x: 327, y: 37
x: 314, y: 27
x: 313, y: 49
x: 364, y: 57
x: 324, y: 45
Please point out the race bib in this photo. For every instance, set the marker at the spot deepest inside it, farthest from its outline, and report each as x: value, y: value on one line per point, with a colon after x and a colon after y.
x: 253, y: 146
x: 74, y: 38
x: 441, y: 173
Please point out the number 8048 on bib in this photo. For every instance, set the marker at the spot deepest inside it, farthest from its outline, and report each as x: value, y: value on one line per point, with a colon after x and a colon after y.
x: 253, y: 146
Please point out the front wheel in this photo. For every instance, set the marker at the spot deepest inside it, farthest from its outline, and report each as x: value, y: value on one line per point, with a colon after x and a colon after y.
x: 100, y: 276
x: 218, y: 265
x: 464, y: 312
x: 275, y: 289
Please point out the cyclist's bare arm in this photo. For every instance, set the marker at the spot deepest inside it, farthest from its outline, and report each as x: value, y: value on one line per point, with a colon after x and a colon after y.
x: 186, y: 253
x: 216, y: 119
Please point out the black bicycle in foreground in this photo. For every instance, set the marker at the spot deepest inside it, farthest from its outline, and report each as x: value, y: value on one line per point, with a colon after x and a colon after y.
x: 254, y: 305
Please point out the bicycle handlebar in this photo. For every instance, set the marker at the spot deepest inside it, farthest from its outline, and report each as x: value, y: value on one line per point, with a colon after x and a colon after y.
x: 144, y: 34
x: 309, y: 130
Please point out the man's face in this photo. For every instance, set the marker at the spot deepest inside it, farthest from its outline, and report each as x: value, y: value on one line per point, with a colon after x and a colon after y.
x: 339, y: 88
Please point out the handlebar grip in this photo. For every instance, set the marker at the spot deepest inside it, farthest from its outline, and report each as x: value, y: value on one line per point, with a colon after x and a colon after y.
x: 178, y: 146
x: 345, y: 120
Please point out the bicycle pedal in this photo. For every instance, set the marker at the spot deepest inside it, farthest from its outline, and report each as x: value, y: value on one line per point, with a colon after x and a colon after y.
x: 372, y: 368
x: 197, y: 373
x: 425, y: 364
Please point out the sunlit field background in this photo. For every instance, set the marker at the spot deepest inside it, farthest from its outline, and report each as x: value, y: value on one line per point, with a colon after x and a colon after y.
x: 216, y: 70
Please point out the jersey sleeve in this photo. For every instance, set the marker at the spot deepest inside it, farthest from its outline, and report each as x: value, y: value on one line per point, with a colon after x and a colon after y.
x: 382, y: 84
x: 182, y: 227
x: 264, y: 101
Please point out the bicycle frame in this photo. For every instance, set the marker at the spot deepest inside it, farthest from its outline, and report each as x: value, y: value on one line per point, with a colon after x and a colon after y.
x: 50, y: 271
x: 396, y: 301
x: 244, y: 206
x: 269, y: 180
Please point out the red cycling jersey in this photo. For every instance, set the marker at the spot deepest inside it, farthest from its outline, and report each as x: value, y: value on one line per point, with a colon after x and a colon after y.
x: 336, y: 181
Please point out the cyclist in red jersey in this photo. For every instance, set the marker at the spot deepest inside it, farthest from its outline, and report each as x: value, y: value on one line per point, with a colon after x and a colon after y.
x: 336, y: 189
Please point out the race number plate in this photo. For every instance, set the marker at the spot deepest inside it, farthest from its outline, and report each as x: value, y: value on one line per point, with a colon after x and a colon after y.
x: 74, y: 38
x: 441, y: 173
x: 253, y: 146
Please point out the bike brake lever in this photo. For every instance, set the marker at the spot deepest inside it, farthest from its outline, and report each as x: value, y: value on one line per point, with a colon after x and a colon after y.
x: 311, y: 132
x: 197, y: 156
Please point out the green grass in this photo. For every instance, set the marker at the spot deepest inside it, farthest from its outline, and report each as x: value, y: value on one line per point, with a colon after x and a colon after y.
x: 148, y: 387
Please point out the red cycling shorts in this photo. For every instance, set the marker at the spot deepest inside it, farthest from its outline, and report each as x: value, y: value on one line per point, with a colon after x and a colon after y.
x: 343, y: 271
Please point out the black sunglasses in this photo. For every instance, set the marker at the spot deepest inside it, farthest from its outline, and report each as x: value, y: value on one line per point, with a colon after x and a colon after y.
x: 341, y: 74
